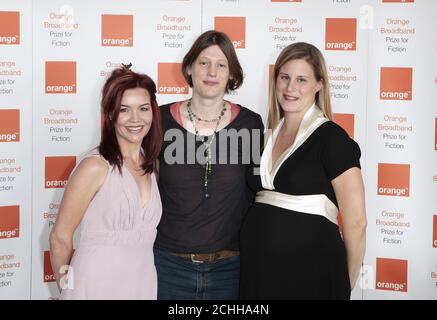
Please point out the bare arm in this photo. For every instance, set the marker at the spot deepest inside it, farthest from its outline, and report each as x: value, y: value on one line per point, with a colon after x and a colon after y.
x: 349, y: 190
x: 83, y: 184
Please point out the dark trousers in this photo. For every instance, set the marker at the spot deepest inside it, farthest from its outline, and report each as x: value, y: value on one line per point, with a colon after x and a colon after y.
x: 181, y: 279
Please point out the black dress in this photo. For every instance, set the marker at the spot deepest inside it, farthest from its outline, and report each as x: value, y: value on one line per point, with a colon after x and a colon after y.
x: 287, y: 254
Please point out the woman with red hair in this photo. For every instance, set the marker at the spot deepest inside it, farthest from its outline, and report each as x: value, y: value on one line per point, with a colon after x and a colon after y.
x: 114, y: 196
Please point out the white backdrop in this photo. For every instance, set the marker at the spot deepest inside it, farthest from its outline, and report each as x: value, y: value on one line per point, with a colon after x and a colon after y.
x: 381, y: 56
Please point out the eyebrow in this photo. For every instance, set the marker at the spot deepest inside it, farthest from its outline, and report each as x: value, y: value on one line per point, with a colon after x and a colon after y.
x: 220, y: 59
x: 141, y: 105
x: 304, y: 76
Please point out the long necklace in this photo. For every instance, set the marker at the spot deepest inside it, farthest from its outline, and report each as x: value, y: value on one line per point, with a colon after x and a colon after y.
x: 207, y: 144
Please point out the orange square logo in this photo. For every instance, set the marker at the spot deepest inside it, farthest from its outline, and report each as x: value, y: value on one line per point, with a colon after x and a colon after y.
x: 394, y: 179
x: 346, y: 121
x: 235, y: 29
x: 341, y: 34
x: 49, y: 275
x: 392, y: 274
x: 48, y: 271
x: 397, y: 1
x: 9, y: 27
x: 117, y: 30
x: 60, y: 77
x: 170, y: 79
x: 58, y: 170
x: 9, y: 125
x: 434, y: 233
x: 396, y: 83
x: 9, y: 222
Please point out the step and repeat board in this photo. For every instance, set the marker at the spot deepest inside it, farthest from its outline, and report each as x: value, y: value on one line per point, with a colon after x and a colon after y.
x: 382, y: 63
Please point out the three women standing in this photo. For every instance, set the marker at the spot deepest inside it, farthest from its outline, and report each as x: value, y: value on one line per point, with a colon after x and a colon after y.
x: 290, y: 244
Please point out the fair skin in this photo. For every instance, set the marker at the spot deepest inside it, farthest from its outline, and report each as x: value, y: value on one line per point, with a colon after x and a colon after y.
x: 132, y: 125
x: 349, y: 191
x: 210, y: 75
x: 296, y: 88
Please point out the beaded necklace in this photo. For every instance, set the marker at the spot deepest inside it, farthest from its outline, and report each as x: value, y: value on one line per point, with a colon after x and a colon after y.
x: 207, y: 144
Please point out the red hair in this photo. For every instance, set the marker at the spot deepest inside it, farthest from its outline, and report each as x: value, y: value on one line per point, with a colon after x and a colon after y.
x: 120, y: 80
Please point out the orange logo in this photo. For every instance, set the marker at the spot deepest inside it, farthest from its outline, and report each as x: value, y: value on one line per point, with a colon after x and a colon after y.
x: 391, y: 274
x: 9, y: 125
x: 117, y: 30
x: 398, y: 1
x: 57, y: 171
x: 170, y: 79
x: 434, y: 241
x: 60, y: 76
x: 341, y: 34
x: 396, y: 83
x: 9, y: 222
x: 9, y: 27
x: 394, y: 179
x: 346, y: 121
x: 48, y: 271
x: 235, y: 29
x: 49, y: 275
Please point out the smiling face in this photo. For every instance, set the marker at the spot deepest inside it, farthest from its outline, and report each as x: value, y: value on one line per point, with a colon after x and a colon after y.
x: 296, y: 87
x: 210, y: 73
x: 135, y: 116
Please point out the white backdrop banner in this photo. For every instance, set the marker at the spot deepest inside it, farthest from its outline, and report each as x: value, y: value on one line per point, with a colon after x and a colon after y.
x: 381, y: 57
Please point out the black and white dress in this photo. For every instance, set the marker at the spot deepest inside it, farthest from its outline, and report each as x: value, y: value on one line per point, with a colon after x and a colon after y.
x: 290, y: 243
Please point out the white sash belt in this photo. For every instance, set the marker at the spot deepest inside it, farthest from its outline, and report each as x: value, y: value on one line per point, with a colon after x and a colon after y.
x: 311, y: 204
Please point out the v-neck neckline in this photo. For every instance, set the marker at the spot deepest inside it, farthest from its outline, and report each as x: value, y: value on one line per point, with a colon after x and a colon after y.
x: 137, y: 187
x: 313, y: 118
x: 274, y: 164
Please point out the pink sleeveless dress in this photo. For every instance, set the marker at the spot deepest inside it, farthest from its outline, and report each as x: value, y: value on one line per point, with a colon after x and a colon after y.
x: 114, y: 259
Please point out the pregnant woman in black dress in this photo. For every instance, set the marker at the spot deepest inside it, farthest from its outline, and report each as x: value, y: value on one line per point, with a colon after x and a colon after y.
x: 291, y: 247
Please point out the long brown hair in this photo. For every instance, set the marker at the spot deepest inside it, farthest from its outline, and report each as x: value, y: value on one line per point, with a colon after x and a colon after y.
x: 120, y: 80
x: 312, y: 55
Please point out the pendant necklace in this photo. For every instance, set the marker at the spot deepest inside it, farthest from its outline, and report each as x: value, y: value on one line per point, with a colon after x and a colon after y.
x: 193, y: 117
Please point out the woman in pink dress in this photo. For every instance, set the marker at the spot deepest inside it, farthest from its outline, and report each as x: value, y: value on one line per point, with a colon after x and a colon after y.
x: 113, y: 195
